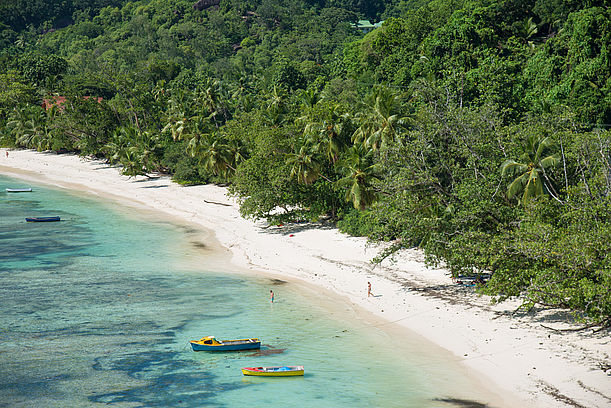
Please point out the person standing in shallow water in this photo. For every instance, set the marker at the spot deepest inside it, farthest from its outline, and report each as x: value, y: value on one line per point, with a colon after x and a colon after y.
x: 271, y: 296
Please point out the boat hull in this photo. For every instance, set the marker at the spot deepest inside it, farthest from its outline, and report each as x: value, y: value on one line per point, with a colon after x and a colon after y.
x: 42, y: 219
x: 18, y: 190
x: 209, y: 343
x: 286, y: 371
x: 225, y: 347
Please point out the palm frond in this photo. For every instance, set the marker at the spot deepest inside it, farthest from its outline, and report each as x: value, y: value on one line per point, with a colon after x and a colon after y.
x: 512, y: 167
x: 550, y: 161
x: 516, y: 185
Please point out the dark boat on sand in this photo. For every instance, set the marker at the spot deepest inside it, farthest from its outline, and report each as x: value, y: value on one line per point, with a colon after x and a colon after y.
x: 42, y: 219
x: 18, y: 190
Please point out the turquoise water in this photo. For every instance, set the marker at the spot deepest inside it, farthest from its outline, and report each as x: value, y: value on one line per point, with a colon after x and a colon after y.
x: 97, y: 310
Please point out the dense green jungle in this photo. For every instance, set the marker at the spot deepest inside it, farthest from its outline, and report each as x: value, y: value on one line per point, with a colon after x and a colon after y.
x: 477, y: 130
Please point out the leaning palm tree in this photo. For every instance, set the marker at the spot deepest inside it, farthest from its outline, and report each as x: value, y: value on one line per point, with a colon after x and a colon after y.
x: 29, y: 128
x: 216, y: 158
x: 238, y: 154
x: 131, y: 161
x: 359, y: 172
x: 16, y: 123
x: 128, y: 149
x: 531, y: 179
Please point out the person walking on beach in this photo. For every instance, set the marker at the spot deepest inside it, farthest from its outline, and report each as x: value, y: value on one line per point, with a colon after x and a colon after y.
x: 7, y: 154
x: 369, y: 289
x: 271, y: 296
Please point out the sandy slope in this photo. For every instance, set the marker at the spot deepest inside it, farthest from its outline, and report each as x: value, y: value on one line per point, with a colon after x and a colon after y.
x: 531, y: 364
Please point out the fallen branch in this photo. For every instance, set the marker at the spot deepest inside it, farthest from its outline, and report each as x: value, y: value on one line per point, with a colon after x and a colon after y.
x: 589, y: 326
x: 217, y: 203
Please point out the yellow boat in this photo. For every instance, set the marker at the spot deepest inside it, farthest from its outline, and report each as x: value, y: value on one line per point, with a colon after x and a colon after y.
x: 280, y: 371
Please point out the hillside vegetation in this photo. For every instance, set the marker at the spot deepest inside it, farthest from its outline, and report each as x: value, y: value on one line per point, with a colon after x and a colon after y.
x: 477, y: 130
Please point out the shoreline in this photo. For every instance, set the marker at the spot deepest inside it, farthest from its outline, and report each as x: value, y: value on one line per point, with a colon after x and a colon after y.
x: 513, y: 353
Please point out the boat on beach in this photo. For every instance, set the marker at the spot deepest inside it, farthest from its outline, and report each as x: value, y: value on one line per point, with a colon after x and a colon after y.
x: 209, y: 343
x: 279, y: 371
x: 42, y: 219
x: 18, y: 190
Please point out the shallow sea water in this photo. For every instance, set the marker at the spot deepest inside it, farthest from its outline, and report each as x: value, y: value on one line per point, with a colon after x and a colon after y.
x: 97, y: 310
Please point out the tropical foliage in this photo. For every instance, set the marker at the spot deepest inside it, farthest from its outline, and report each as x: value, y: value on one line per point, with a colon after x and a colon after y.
x: 477, y: 130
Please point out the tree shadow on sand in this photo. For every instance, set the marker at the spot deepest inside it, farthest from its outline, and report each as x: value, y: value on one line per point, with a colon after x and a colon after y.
x: 293, y: 228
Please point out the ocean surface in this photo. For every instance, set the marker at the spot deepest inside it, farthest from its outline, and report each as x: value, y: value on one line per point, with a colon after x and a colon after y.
x: 98, y: 309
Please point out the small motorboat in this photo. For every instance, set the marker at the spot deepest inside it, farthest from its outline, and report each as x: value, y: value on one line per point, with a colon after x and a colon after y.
x: 42, y: 219
x: 209, y: 343
x: 18, y: 190
x: 279, y: 371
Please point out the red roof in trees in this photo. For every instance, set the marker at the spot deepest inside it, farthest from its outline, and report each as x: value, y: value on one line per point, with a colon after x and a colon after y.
x: 58, y: 101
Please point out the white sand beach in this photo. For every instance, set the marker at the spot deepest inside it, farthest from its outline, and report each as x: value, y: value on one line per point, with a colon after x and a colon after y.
x: 530, y: 364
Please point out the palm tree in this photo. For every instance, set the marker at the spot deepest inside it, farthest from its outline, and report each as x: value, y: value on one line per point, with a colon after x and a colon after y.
x: 309, y: 98
x: 216, y: 156
x: 148, y: 144
x: 21, y: 41
x: 132, y: 149
x: 531, y: 179
x: 29, y: 128
x: 16, y: 122
x: 328, y: 136
x: 528, y: 28
x: 176, y: 128
x: 189, y: 112
x: 237, y: 153
x: 176, y: 119
x: 275, y: 107
x: 211, y: 102
x: 381, y: 120
x: 241, y: 93
x: 359, y: 172
x: 131, y: 161
x: 304, y: 165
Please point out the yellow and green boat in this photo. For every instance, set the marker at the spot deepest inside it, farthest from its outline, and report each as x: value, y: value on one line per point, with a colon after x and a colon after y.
x: 279, y: 371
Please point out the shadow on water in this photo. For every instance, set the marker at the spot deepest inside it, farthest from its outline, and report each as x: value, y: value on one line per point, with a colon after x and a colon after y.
x: 463, y: 403
x: 267, y: 350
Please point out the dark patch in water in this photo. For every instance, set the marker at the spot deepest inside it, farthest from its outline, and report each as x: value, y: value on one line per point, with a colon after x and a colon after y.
x: 459, y: 402
x: 199, y: 245
x: 267, y: 351
x: 49, y: 243
x: 188, y: 230
x: 277, y: 282
x: 179, y: 383
x: 27, y: 386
